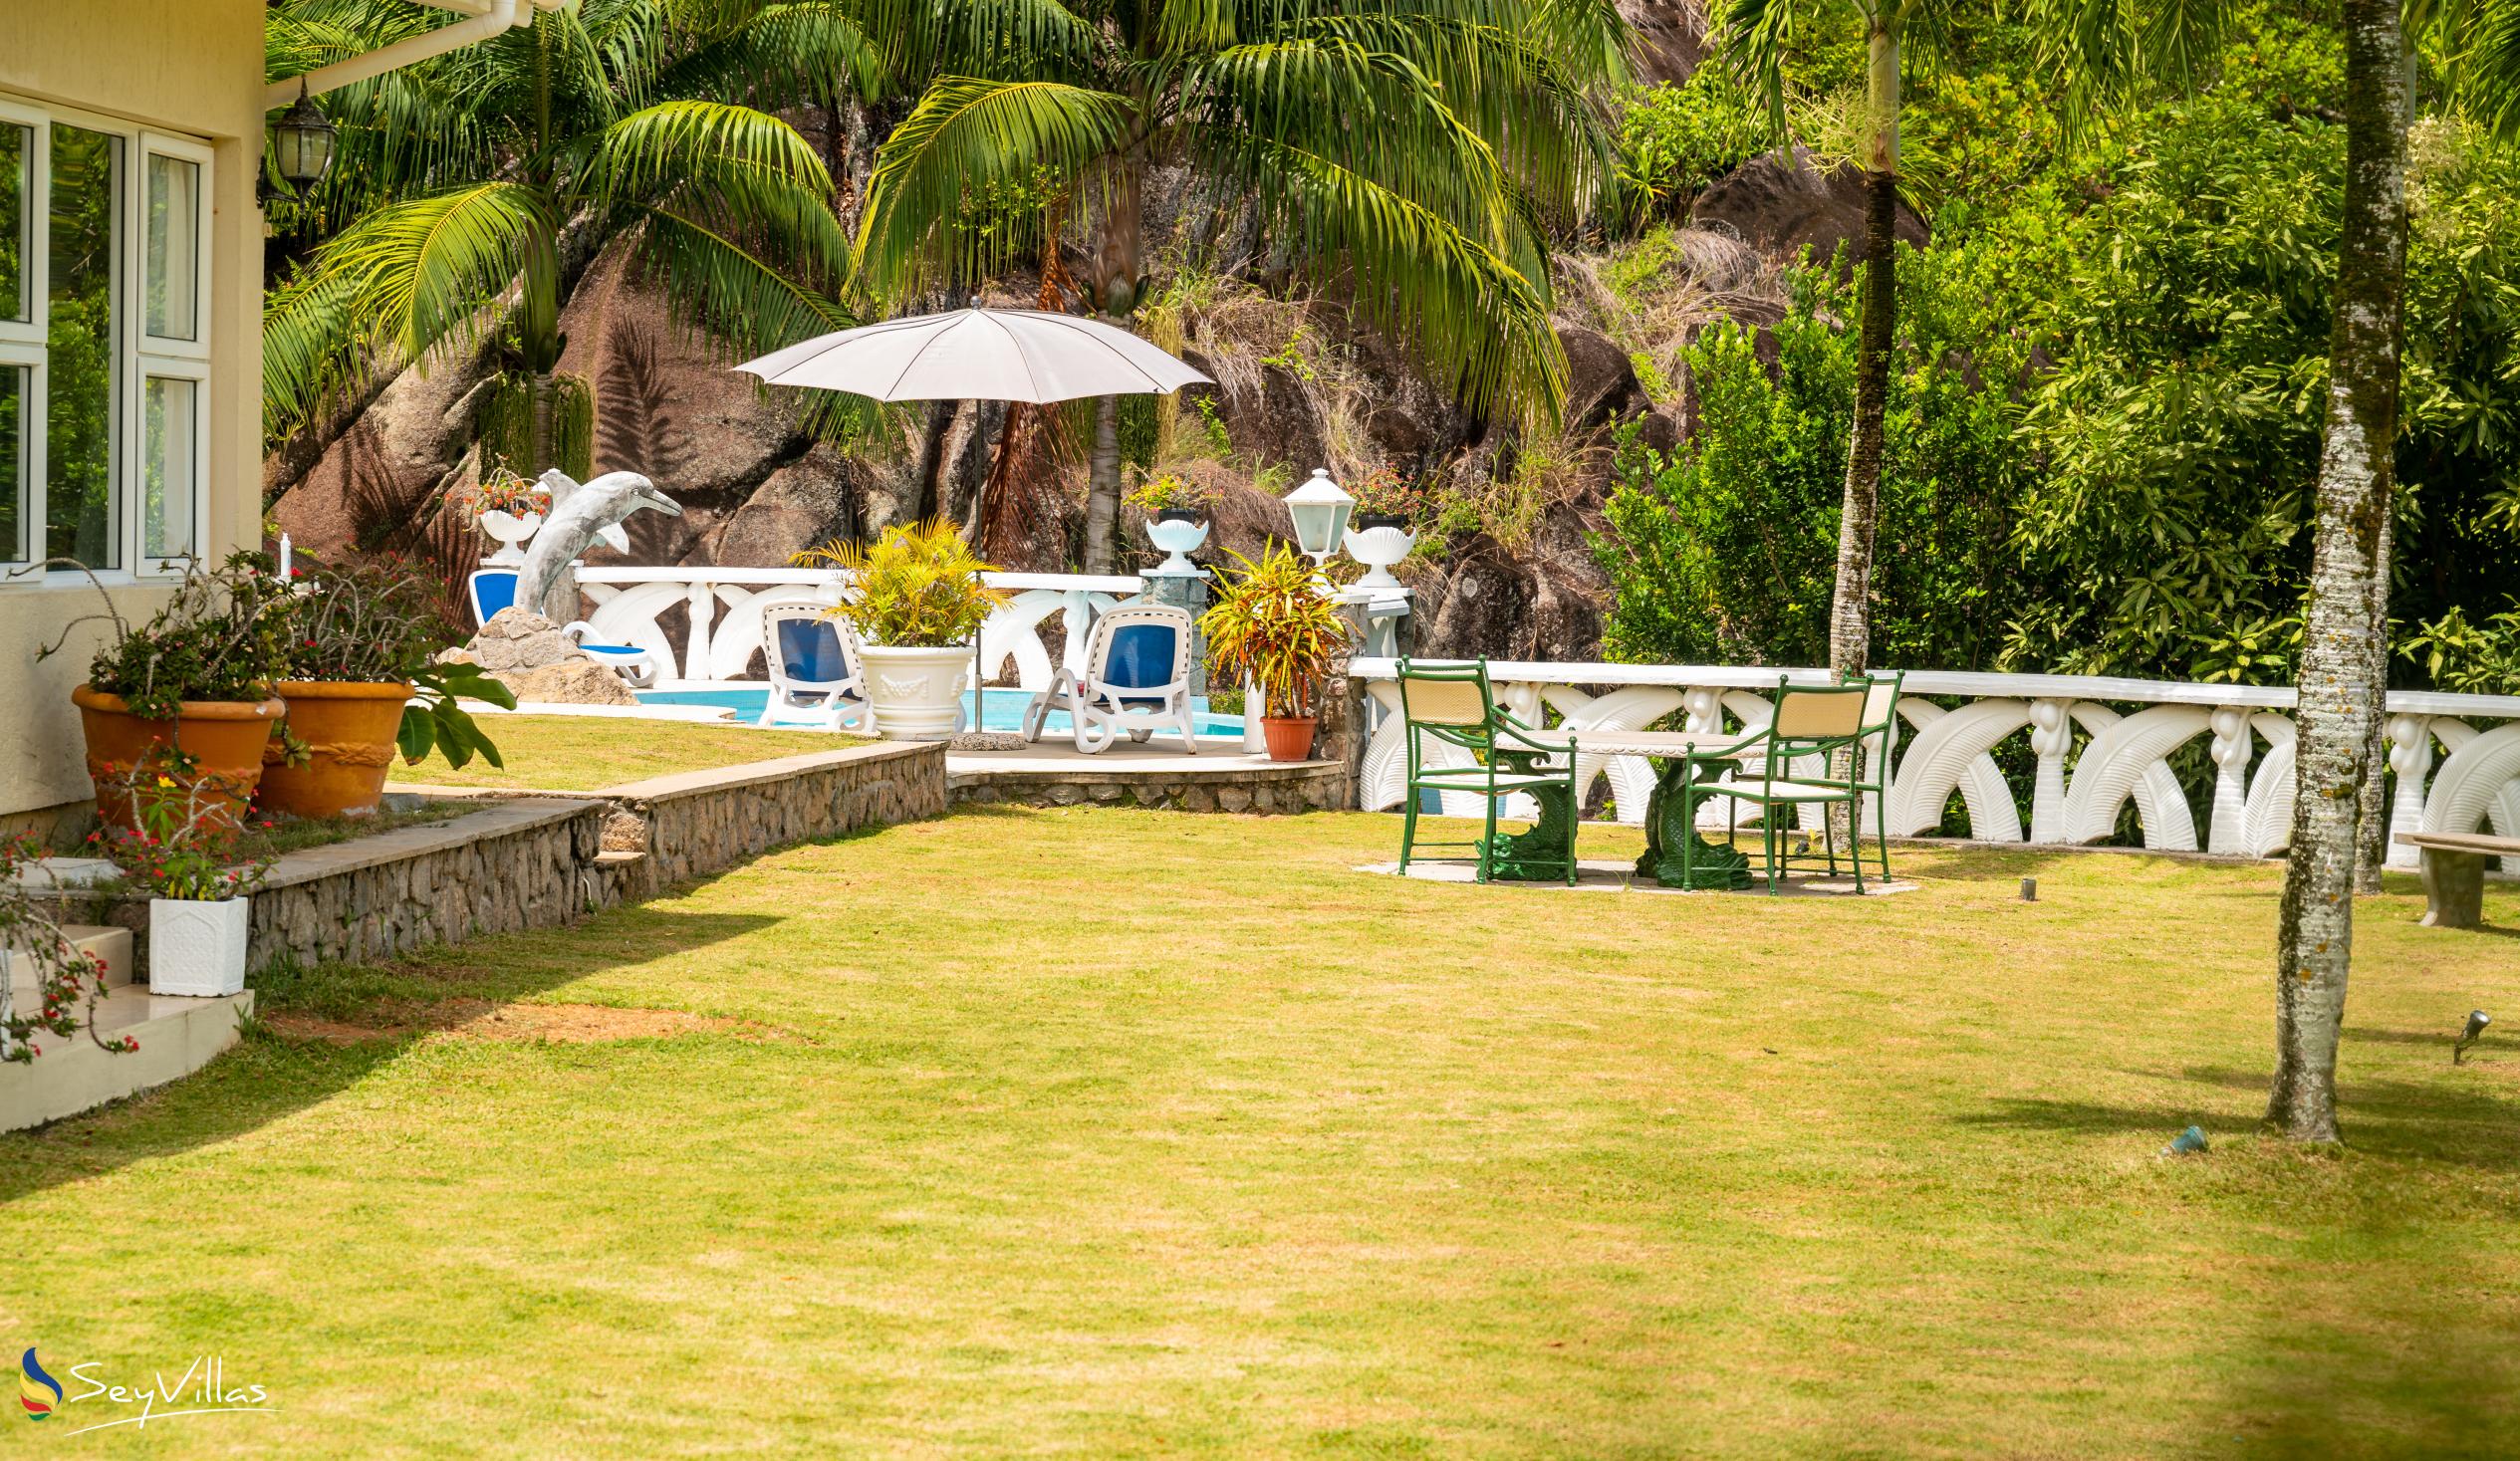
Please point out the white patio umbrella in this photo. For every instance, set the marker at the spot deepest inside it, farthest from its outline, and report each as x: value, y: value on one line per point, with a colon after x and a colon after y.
x: 977, y: 353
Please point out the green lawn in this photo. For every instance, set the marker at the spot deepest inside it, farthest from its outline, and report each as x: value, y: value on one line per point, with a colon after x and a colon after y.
x: 585, y: 753
x: 1099, y: 1133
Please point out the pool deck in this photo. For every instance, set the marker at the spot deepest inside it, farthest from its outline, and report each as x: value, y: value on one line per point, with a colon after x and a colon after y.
x: 1223, y: 777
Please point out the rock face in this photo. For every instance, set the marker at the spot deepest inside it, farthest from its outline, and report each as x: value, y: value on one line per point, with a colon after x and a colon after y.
x: 1783, y: 207
x: 519, y: 638
x: 568, y: 683
x: 530, y: 655
x: 1670, y: 38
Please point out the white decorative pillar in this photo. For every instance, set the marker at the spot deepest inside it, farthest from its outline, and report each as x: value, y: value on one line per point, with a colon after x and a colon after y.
x: 698, y: 661
x: 1076, y: 612
x: 1704, y: 709
x: 2051, y: 736
x: 2229, y: 833
x: 1255, y: 741
x: 2410, y: 756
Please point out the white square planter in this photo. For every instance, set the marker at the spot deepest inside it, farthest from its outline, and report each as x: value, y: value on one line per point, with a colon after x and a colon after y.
x: 197, y: 948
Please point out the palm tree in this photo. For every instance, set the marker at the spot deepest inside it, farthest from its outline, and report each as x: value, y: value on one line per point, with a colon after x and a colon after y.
x: 2343, y: 685
x: 457, y: 179
x: 1758, y: 35
x: 1416, y: 152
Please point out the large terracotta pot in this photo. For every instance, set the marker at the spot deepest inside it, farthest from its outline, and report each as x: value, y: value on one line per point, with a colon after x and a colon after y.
x: 226, y: 736
x: 348, y: 731
x: 1289, y: 737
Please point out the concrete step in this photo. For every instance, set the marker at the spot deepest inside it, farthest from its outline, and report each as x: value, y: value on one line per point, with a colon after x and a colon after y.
x: 70, y: 1074
x: 112, y: 945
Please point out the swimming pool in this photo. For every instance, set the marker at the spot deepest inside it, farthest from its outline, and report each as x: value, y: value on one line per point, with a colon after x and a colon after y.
x: 1005, y: 707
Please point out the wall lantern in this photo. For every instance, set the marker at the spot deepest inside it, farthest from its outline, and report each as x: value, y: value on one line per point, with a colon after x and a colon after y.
x: 302, y: 142
x: 1320, y: 509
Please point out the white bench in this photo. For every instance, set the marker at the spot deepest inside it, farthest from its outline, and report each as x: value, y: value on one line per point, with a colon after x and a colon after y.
x: 2454, y: 873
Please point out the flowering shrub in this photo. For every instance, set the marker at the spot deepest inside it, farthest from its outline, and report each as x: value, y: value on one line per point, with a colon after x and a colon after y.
x: 1385, y: 492
x: 505, y: 491
x: 215, y: 640
x: 377, y: 622
x: 65, y: 979
x: 186, y: 846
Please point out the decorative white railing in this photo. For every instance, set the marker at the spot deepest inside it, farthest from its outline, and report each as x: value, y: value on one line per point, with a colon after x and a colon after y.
x: 2075, y: 796
x: 725, y: 633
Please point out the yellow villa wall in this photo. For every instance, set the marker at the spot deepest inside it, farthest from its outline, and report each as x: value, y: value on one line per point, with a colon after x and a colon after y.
x: 192, y: 66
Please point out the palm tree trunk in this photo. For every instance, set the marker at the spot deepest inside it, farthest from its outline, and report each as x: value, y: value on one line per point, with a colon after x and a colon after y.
x: 1102, y: 492
x: 2372, y: 842
x: 2314, y: 935
x: 1850, y: 613
x: 1115, y: 269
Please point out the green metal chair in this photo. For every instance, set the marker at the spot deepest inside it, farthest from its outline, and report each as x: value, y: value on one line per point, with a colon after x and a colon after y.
x: 1453, y: 703
x: 1812, y: 724
x: 1869, y: 769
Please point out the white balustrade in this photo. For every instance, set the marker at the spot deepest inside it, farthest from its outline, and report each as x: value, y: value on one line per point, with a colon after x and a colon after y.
x: 723, y: 637
x: 2126, y: 731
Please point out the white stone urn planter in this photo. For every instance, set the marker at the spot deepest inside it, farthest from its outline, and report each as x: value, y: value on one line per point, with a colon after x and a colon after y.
x: 1180, y: 536
x: 509, y: 530
x: 916, y: 691
x: 1378, y: 548
x: 197, y: 948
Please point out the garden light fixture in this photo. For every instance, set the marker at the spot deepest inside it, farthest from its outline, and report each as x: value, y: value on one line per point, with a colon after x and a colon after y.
x: 2477, y: 1020
x: 302, y: 142
x: 1320, y: 508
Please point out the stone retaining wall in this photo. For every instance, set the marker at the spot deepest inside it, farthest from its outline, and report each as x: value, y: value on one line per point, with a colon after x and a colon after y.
x: 706, y: 820
x: 517, y: 866
x: 1305, y: 786
x: 541, y: 859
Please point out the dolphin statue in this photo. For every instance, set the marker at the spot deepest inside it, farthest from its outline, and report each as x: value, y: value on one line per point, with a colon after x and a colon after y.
x: 583, y: 514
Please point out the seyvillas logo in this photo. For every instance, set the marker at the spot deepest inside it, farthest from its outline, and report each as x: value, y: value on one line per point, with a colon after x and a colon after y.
x: 38, y: 1393
x: 201, y: 1389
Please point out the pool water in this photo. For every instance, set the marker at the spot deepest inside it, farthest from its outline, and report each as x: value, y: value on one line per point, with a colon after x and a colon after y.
x: 1005, y: 708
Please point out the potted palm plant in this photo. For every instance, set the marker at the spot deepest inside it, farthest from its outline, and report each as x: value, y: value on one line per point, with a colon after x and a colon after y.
x: 915, y: 599
x: 197, y: 677
x: 358, y: 674
x: 1273, y: 628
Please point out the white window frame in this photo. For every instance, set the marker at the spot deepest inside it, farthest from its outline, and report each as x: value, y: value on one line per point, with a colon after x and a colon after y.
x: 139, y: 356
x: 22, y: 341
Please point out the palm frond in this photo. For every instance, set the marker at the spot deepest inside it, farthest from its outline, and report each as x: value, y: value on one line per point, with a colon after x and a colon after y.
x: 1005, y: 40
x: 812, y: 51
x: 1457, y: 302
x: 968, y: 136
x: 311, y: 349
x: 2110, y: 50
x: 743, y: 171
x: 420, y: 272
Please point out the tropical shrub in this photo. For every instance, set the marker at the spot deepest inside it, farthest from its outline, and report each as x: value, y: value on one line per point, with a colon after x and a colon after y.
x: 186, y: 843
x: 1673, y: 140
x: 917, y: 586
x: 378, y: 623
x: 1271, y: 625
x: 1726, y: 549
x: 215, y: 638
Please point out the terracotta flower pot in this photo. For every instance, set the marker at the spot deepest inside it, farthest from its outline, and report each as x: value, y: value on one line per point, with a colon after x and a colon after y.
x: 348, y: 730
x: 1289, y: 737
x: 226, y: 736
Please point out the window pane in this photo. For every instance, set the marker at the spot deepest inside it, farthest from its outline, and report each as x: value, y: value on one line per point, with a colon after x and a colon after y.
x: 17, y: 169
x: 168, y: 473
x: 82, y: 429
x: 174, y: 236
x: 14, y: 380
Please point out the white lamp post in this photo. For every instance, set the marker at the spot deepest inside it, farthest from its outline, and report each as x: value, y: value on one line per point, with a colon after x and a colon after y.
x: 1320, y: 509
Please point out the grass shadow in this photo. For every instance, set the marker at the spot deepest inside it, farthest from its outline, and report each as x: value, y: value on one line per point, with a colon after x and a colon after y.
x: 266, y: 1076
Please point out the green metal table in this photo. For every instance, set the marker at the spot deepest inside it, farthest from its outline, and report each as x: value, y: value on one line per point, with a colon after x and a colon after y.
x: 1676, y: 856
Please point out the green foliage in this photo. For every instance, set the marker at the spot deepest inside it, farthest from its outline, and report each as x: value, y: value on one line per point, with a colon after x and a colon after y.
x: 2469, y: 658
x: 2180, y: 427
x: 1726, y: 551
x: 64, y: 978
x: 216, y: 637
x: 1674, y: 140
x: 377, y: 622
x: 507, y: 425
x: 1483, y: 134
x: 1271, y: 625
x: 454, y: 172
x: 917, y: 586
x: 1167, y: 491
x: 185, y: 841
